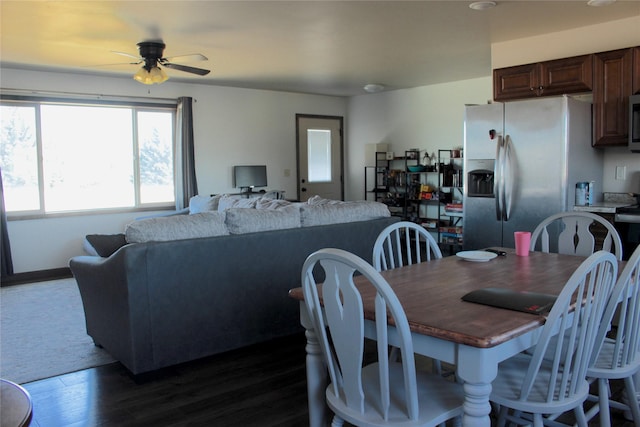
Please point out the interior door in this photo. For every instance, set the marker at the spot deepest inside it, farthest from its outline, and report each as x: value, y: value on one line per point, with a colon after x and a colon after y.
x: 320, y: 160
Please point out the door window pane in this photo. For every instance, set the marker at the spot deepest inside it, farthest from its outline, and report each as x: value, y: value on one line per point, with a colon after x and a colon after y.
x: 319, y: 155
x: 19, y: 158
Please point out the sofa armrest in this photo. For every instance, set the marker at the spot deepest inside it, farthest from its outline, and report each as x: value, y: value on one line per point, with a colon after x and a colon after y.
x: 115, y: 300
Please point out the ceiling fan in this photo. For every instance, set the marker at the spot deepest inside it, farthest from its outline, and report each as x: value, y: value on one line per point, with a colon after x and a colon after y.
x: 151, y: 55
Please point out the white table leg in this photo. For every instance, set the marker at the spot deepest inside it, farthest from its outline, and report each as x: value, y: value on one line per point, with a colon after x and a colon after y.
x: 477, y: 369
x: 476, y: 405
x: 316, y: 374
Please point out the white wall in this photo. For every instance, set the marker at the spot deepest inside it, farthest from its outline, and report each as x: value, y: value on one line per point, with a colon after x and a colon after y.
x: 579, y: 41
x: 231, y: 126
x: 621, y: 156
x: 428, y: 118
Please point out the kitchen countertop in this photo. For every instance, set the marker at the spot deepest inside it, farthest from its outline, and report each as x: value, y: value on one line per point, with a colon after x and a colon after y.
x: 601, y: 207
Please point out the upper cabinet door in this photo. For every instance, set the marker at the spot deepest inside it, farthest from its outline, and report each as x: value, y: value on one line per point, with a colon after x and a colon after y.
x: 516, y: 82
x: 568, y: 75
x: 557, y: 77
x: 611, y: 89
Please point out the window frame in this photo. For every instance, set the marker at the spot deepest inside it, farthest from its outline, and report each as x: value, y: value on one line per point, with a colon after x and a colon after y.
x: 135, y: 107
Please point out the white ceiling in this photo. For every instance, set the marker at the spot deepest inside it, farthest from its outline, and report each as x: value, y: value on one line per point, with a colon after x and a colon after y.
x: 324, y: 47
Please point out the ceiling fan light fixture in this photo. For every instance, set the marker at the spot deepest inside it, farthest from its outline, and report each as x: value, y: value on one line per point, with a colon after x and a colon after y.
x: 482, y: 5
x: 158, y: 75
x: 373, y: 87
x: 155, y: 75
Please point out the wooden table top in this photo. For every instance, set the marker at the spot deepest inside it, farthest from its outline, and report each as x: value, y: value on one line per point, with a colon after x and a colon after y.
x: 430, y: 293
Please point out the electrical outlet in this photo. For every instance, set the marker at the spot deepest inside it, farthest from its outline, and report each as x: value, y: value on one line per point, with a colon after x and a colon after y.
x: 621, y: 173
x: 287, y: 172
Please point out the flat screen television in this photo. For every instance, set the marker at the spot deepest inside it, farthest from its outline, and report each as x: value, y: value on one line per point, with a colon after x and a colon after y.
x: 248, y: 177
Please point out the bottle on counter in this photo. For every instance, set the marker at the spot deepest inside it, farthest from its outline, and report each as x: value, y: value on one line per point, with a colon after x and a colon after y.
x: 581, y: 193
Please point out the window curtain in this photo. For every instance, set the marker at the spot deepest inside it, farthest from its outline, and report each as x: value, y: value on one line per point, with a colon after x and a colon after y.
x: 186, y: 185
x: 5, y: 250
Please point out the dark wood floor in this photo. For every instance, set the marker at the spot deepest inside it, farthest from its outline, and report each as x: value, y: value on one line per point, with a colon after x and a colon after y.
x: 262, y: 385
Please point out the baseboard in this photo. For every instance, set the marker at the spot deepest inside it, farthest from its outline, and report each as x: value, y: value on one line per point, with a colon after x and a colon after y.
x: 36, y: 276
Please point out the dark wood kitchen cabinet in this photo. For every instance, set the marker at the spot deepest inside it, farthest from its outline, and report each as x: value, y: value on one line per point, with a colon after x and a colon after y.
x: 557, y: 77
x: 613, y: 83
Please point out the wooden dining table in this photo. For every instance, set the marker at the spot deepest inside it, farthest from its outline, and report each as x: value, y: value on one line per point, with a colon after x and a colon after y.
x: 473, y: 337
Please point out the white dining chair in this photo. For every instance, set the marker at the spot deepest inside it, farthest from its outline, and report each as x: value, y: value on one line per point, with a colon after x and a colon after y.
x: 575, y: 237
x: 531, y: 387
x: 404, y: 243
x: 383, y: 392
x: 619, y: 356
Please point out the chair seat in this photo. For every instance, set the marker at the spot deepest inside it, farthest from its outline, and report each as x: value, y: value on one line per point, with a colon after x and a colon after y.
x: 507, y: 385
x: 603, y: 364
x: 439, y: 399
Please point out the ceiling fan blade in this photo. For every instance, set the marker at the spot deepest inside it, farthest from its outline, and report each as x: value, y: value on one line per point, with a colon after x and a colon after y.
x: 193, y: 70
x: 113, y: 64
x: 186, y: 58
x: 136, y: 57
x: 117, y: 63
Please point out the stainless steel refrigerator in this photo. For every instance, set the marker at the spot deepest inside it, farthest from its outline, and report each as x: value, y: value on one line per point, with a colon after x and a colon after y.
x: 522, y: 161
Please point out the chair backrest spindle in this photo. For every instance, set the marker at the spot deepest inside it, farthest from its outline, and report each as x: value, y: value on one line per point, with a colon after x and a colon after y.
x: 404, y: 243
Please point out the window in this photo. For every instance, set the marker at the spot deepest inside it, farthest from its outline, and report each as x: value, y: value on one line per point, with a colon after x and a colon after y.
x: 319, y: 155
x: 62, y: 157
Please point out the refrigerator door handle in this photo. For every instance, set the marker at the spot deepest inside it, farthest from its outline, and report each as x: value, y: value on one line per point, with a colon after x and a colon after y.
x: 509, y: 177
x: 498, y: 186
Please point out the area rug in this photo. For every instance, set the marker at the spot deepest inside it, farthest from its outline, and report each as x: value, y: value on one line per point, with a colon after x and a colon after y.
x: 42, y: 332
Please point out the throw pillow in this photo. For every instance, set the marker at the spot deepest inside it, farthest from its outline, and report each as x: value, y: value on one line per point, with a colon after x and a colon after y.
x: 199, y: 204
x: 228, y: 202
x: 264, y: 203
x: 317, y: 200
x: 103, y: 245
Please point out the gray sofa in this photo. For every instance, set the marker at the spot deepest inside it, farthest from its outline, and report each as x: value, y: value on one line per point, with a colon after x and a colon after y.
x: 155, y: 304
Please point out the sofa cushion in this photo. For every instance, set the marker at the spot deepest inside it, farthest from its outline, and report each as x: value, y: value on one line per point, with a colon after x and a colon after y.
x: 333, y: 213
x: 206, y: 224
x: 228, y: 202
x: 240, y: 221
x: 199, y: 204
x: 103, y: 245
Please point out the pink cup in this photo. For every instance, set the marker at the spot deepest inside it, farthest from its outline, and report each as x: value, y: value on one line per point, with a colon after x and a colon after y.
x: 523, y: 240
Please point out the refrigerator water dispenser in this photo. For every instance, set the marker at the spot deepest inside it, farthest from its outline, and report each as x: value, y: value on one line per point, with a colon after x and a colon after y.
x: 480, y: 178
